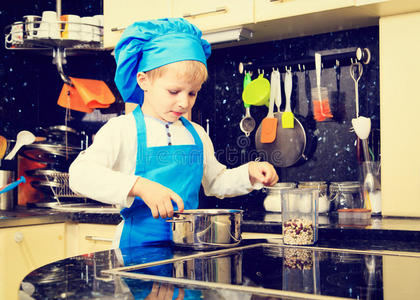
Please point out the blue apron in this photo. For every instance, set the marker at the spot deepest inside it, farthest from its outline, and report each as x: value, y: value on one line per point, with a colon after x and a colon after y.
x: 178, y: 167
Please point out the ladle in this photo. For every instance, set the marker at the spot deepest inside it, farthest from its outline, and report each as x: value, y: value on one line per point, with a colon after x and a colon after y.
x: 362, y: 126
x: 23, y: 138
x: 247, y: 123
x: 356, y: 71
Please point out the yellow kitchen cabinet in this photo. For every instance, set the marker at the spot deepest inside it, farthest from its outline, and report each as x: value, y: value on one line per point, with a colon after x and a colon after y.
x: 400, y: 275
x: 119, y: 14
x: 366, y: 2
x: 399, y: 45
x: 25, y: 248
x: 85, y: 238
x: 269, y: 10
x: 216, y: 14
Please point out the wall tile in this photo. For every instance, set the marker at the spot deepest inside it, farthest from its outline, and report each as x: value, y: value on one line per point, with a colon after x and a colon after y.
x: 30, y: 86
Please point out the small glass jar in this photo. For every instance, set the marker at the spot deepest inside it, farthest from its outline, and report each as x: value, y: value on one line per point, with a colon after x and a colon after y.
x: 323, y: 202
x: 272, y: 201
x: 321, y: 106
x: 346, y: 195
x: 300, y: 216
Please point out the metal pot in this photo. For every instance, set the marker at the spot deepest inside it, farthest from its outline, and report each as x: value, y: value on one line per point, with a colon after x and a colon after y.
x: 7, y: 176
x: 204, y: 229
x: 7, y: 200
x: 222, y: 268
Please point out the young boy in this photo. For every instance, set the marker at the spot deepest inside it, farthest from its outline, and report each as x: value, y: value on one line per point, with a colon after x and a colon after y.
x: 153, y: 159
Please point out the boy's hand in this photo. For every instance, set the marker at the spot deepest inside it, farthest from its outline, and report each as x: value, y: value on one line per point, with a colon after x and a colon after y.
x: 157, y: 197
x: 262, y: 172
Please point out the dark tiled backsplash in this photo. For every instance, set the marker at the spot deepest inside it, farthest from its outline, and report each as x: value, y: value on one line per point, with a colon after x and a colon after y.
x: 330, y: 148
x: 30, y: 86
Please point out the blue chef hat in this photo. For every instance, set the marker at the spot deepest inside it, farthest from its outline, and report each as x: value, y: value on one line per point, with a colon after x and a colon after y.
x: 147, y: 45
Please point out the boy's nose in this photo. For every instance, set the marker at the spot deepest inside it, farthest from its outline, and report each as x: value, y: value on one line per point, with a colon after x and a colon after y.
x: 183, y: 101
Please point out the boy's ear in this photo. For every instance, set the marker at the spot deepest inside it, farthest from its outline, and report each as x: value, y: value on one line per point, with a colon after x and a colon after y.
x: 142, y: 81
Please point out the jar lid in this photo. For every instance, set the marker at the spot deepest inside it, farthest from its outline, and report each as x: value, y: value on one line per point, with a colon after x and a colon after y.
x: 278, y: 187
x: 312, y: 184
x: 352, y: 210
x: 346, y: 186
x: 281, y: 185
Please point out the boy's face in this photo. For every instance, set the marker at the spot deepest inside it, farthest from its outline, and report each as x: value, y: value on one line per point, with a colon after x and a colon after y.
x: 168, y: 96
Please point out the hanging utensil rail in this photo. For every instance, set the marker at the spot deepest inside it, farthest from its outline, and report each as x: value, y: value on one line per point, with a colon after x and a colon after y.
x: 330, y: 58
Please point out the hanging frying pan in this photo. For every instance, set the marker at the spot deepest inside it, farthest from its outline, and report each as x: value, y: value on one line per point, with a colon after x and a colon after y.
x: 287, y: 148
x: 289, y: 144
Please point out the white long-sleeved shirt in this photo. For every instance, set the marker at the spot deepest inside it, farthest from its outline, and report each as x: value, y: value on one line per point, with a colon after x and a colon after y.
x: 105, y: 171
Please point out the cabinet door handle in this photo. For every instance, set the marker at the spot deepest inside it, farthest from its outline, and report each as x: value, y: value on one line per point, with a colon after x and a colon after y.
x: 97, y: 238
x: 18, y: 237
x: 118, y: 28
x: 222, y: 10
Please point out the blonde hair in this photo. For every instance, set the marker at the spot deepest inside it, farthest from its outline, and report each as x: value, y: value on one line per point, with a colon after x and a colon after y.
x: 192, y: 70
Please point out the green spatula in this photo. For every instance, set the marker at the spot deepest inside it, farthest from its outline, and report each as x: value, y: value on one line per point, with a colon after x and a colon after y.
x: 287, y: 118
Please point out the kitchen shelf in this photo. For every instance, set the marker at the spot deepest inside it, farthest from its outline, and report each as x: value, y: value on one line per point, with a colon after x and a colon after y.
x: 35, y: 43
x: 47, y: 43
x: 59, y: 48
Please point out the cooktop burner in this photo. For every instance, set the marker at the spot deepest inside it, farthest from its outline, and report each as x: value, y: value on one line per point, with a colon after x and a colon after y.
x: 276, y: 270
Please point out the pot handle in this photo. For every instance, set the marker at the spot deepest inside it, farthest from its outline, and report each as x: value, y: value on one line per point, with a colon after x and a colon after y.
x: 184, y: 220
x: 177, y: 220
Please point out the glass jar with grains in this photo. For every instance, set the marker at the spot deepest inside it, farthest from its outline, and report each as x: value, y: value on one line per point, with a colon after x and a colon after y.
x: 299, y: 216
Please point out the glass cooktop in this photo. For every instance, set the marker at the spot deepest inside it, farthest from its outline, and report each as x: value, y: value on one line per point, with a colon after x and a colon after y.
x: 279, y: 270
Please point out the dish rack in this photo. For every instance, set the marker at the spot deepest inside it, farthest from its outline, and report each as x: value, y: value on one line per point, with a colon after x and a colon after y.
x: 56, y: 184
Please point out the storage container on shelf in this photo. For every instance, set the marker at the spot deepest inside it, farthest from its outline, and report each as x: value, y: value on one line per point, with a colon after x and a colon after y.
x: 346, y: 195
x: 354, y: 216
x: 300, y: 216
x: 272, y: 201
x: 323, y: 200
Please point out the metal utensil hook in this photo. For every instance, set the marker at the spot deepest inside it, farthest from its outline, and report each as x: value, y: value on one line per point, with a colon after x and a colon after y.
x: 242, y: 66
x: 59, y: 59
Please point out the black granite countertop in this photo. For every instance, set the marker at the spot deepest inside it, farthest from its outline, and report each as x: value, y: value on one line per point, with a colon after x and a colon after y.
x: 254, y: 270
x: 23, y: 216
x: 340, y: 250
x: 396, y: 233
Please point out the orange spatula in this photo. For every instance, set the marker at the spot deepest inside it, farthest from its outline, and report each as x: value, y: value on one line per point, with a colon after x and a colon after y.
x: 269, y: 123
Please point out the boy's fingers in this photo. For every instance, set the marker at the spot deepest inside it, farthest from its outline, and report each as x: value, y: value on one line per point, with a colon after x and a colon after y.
x: 169, y: 208
x: 181, y: 294
x: 178, y: 201
x: 162, y: 211
x: 154, y: 211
